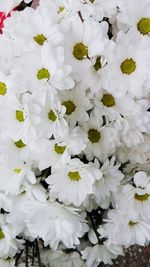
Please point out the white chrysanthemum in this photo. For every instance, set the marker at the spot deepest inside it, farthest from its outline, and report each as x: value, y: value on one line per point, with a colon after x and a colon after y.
x: 59, y: 151
x: 61, y: 259
x: 102, y: 140
x: 129, y: 68
x: 110, y: 180
x: 14, y: 173
x: 9, y: 245
x: 134, y: 15
x: 138, y: 154
x: 32, y: 28
x: 76, y: 103
x: 52, y: 119
x: 112, y: 107
x: 97, y: 254
x: 86, y: 40
x: 74, y: 183
x: 43, y: 67
x: 56, y: 223
x: 21, y: 118
x: 125, y: 230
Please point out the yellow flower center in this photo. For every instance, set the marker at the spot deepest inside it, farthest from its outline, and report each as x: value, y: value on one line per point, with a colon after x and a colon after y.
x: 40, y: 39
x: 43, y: 74
x: 20, y: 144
x: 3, y: 88
x: 131, y: 223
x: 143, y: 26
x: 97, y: 64
x: 142, y: 197
x: 19, y: 115
x: 94, y: 135
x: 74, y: 176
x: 61, y: 9
x: 70, y: 106
x: 59, y: 149
x: 108, y: 100
x: 17, y: 170
x: 2, y: 236
x: 52, y: 116
x: 80, y: 51
x: 128, y: 66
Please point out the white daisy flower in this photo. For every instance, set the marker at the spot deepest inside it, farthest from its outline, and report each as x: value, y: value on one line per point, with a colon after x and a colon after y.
x: 76, y: 182
x: 134, y: 15
x: 21, y: 118
x: 14, y: 173
x: 32, y: 28
x: 102, y: 140
x: 86, y: 40
x: 124, y: 230
x: 9, y: 245
x: 60, y: 149
x: 48, y: 69
x: 56, y: 223
x: 52, y: 119
x: 110, y: 180
x: 97, y: 254
x: 129, y: 67
x: 77, y: 104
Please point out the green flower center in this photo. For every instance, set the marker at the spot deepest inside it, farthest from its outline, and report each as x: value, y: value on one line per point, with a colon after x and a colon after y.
x: 19, y: 115
x: 61, y: 9
x: 128, y: 66
x: 80, y: 51
x: 92, y: 1
x: 142, y: 197
x: 59, y: 149
x: 94, y: 135
x: 2, y: 236
x: 43, y: 74
x: 70, y: 107
x: 40, y: 39
x: 3, y: 88
x: 19, y: 144
x: 97, y: 64
x: 131, y: 223
x: 144, y: 26
x: 52, y: 116
x: 17, y: 170
x: 108, y: 100
x: 74, y: 176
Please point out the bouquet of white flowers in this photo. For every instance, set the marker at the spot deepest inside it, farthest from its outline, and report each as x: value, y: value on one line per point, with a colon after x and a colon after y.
x: 74, y: 130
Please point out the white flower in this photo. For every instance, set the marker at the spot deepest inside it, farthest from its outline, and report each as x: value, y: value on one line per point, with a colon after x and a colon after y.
x: 21, y: 118
x: 61, y: 259
x: 129, y: 67
x: 74, y: 183
x: 32, y: 28
x: 97, y: 254
x: 102, y: 140
x: 14, y: 173
x: 125, y: 230
x: 56, y: 223
x: 76, y: 103
x: 9, y: 245
x: 52, y: 119
x: 59, y: 151
x: 48, y: 70
x: 110, y: 180
x: 134, y: 15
